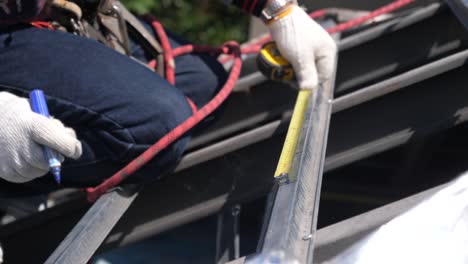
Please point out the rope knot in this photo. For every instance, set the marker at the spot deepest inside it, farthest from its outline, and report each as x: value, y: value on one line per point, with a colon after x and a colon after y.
x: 233, y: 48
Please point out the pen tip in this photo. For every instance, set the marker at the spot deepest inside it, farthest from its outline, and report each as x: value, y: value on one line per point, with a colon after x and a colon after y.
x: 56, y: 173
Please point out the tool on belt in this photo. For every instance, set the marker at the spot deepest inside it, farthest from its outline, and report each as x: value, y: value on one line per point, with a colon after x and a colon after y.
x: 274, y: 66
x: 107, y: 21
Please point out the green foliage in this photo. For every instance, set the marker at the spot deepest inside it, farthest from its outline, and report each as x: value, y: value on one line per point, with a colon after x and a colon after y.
x: 202, y: 21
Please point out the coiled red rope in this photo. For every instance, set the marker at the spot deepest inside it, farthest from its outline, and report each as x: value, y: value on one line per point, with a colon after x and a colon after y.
x: 232, y: 49
x: 168, y: 56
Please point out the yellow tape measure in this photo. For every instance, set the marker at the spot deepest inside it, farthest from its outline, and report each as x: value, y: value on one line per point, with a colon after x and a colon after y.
x: 273, y: 65
x: 293, y: 135
x: 276, y: 67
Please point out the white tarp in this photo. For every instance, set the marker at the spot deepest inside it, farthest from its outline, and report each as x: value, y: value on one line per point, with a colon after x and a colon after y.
x: 435, y: 231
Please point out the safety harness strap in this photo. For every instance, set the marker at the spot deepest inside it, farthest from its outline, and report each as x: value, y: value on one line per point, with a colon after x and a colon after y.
x: 108, y: 22
x: 145, y: 38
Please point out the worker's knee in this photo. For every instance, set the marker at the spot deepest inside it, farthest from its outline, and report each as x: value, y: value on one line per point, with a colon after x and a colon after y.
x: 165, y: 110
x: 142, y: 110
x: 131, y: 125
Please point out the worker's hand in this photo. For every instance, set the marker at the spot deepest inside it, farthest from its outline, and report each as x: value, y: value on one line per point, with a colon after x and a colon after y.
x: 306, y: 45
x: 21, y: 132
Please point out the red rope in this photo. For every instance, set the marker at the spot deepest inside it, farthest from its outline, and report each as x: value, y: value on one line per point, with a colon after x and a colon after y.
x: 252, y: 7
x: 244, y: 6
x: 42, y: 24
x: 230, y: 48
x: 168, y: 57
x: 360, y: 20
x: 318, y: 13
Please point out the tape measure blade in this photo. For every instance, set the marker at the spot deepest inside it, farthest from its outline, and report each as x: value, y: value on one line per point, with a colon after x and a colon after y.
x: 293, y: 135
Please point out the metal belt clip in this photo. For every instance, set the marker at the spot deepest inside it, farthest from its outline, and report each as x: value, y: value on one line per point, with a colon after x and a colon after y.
x: 111, y: 18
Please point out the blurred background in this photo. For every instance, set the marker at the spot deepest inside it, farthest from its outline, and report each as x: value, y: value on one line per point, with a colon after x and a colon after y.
x: 211, y: 22
x: 202, y: 21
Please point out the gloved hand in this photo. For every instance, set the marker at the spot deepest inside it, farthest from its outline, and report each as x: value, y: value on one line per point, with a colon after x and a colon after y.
x: 306, y: 45
x: 21, y: 132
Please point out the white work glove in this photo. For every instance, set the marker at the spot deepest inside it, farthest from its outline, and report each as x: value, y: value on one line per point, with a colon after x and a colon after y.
x: 306, y: 45
x: 22, y: 132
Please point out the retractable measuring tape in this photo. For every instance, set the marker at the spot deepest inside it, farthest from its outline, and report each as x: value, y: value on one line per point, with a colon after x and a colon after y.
x: 277, y: 68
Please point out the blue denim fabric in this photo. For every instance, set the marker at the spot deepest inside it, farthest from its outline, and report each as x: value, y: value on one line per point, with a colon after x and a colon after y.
x: 117, y: 106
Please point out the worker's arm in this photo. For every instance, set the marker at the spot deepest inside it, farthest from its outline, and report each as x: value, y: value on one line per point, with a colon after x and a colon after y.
x: 303, y: 42
x: 21, y: 134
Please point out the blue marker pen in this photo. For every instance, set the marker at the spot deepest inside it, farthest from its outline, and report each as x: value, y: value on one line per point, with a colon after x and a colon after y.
x: 39, y: 105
